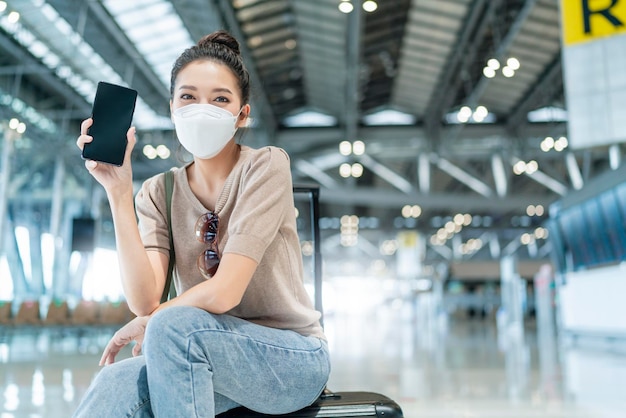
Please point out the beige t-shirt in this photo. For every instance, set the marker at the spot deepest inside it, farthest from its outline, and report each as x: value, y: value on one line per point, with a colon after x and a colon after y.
x: 256, y: 219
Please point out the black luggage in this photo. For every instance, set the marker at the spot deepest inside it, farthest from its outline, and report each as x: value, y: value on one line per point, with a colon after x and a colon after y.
x: 329, y: 404
x: 335, y: 405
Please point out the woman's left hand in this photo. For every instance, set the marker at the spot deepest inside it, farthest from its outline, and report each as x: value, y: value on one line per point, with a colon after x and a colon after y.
x: 133, y: 331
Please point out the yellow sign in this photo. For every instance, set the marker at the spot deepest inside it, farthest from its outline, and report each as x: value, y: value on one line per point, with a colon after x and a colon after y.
x: 588, y: 20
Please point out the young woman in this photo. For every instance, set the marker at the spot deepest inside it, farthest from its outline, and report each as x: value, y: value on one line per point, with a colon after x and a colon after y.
x: 242, y: 330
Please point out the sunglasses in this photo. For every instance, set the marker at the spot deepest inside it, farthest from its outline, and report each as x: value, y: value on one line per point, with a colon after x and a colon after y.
x: 206, y: 232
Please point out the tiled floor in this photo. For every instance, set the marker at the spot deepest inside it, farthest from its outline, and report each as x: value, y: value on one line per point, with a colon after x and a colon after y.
x: 434, y: 367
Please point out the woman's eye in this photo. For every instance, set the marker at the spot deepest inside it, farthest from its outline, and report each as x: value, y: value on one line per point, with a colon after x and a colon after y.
x: 221, y: 99
x: 186, y: 96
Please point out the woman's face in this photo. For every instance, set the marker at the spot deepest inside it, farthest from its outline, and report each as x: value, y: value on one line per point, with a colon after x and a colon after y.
x: 208, y: 82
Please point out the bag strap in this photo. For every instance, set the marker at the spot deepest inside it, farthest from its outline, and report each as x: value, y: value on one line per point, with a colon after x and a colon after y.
x: 168, y: 289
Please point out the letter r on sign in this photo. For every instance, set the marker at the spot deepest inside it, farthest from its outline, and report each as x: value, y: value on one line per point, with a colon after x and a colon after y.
x: 606, y: 13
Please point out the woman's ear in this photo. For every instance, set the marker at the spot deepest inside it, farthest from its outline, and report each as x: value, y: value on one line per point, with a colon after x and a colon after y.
x: 244, y: 116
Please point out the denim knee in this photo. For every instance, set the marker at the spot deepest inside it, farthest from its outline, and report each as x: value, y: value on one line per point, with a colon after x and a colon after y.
x: 170, y: 325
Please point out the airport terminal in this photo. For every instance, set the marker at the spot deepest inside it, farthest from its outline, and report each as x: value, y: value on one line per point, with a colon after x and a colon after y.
x: 457, y: 180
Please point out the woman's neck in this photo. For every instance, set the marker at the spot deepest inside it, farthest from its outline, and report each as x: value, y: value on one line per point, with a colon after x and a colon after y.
x: 207, y: 177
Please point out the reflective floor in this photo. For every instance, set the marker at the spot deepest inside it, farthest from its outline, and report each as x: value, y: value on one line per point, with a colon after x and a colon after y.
x: 432, y: 365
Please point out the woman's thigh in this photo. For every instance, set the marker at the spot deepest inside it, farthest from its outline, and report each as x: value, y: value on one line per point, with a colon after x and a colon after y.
x: 262, y: 368
x: 118, y: 390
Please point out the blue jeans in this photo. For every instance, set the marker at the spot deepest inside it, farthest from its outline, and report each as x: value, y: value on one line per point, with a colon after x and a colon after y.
x: 196, y: 364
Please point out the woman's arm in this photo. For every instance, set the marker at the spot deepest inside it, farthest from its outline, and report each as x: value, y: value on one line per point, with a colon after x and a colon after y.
x: 143, y: 274
x: 224, y: 290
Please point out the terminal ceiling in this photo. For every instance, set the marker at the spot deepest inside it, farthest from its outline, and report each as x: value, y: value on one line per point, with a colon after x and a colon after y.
x: 394, y: 78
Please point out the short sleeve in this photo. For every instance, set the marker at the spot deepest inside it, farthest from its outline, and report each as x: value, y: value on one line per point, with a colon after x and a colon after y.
x: 265, y: 195
x: 151, y: 208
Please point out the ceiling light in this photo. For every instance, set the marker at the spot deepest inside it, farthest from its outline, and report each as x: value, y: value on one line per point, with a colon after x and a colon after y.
x: 413, y: 211
x: 149, y: 151
x: 464, y: 114
x: 345, y: 170
x: 369, y: 6
x: 513, y: 63
x: 541, y: 233
x: 356, y: 170
x: 526, y: 239
x: 531, y: 167
x: 489, y: 72
x: 547, y: 144
x: 358, y: 147
x: 290, y: 44
x: 481, y: 111
x: 345, y: 148
x: 13, y: 123
x: 3, y: 6
x: 560, y: 144
x: 519, y: 167
x: 163, y: 152
x: 480, y: 114
x: 508, y: 72
x: 493, y: 63
x: 13, y: 17
x: 345, y: 7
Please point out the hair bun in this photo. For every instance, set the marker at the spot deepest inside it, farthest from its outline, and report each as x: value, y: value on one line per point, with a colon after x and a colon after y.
x: 220, y: 37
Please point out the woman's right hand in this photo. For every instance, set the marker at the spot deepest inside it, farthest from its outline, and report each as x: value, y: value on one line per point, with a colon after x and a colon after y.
x: 113, y: 179
x: 132, y: 331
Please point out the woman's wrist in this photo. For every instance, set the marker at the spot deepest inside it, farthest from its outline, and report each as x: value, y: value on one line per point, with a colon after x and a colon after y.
x: 120, y: 196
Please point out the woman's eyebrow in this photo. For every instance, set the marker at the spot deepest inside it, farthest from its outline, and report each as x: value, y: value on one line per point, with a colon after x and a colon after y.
x: 215, y: 90
x: 222, y: 90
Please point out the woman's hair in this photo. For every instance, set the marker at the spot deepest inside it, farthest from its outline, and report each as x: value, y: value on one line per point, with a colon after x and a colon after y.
x: 219, y: 47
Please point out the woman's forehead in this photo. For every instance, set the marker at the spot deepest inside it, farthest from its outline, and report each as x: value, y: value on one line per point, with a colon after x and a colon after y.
x: 204, y: 73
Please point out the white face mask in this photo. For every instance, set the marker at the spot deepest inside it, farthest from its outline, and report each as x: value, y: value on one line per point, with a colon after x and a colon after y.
x: 204, y: 129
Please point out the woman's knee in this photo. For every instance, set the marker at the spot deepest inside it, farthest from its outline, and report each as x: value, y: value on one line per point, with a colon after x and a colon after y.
x: 173, y: 324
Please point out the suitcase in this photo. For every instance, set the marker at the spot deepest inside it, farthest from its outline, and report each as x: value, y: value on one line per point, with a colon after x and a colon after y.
x: 334, y: 405
x: 329, y: 404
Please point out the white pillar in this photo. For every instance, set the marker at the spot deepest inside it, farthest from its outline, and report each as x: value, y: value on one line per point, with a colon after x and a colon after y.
x: 7, y: 151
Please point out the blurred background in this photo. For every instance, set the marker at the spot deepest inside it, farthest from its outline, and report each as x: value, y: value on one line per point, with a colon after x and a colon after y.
x: 472, y: 197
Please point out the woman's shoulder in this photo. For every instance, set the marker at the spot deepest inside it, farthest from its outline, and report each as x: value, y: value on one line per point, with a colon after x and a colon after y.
x: 269, y: 154
x: 155, y: 186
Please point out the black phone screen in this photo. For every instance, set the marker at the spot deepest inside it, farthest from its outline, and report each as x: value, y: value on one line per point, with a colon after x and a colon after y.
x: 112, y: 115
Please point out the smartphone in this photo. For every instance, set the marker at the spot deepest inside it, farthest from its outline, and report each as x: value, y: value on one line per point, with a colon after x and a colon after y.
x: 112, y: 114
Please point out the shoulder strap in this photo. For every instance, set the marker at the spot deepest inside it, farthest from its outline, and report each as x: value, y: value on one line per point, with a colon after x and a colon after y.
x: 168, y: 289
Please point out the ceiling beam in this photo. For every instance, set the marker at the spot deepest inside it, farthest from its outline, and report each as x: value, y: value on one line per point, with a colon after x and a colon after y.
x: 484, y: 137
x: 384, y: 172
x: 10, y: 48
x: 377, y: 197
x: 462, y: 176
